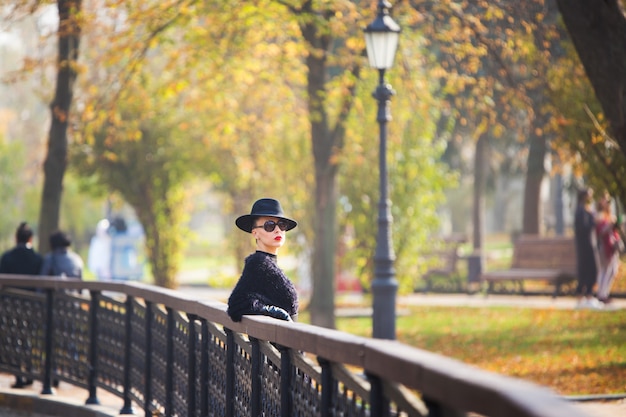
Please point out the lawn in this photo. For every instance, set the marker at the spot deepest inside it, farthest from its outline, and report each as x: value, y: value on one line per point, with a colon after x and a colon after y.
x: 575, y: 352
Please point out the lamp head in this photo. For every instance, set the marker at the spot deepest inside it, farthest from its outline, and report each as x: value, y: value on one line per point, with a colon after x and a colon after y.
x: 381, y: 38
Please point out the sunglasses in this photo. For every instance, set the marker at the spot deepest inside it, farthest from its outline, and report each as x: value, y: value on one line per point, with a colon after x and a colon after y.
x: 270, y: 225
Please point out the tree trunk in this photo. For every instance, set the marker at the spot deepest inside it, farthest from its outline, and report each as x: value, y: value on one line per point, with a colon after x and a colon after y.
x: 480, y: 178
x: 531, y: 223
x: 501, y: 203
x: 598, y: 31
x: 559, y: 220
x: 160, y: 248
x: 325, y: 143
x: 538, y: 139
x: 56, y: 158
x: 322, y: 305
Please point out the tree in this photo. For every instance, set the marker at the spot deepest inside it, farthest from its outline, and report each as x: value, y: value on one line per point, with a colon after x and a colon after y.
x: 417, y: 178
x: 134, y: 136
x: 253, y: 119
x: 324, y: 30
x: 227, y: 114
x: 55, y: 165
x: 495, y: 55
x: 336, y: 109
x: 598, y: 32
x: 145, y: 156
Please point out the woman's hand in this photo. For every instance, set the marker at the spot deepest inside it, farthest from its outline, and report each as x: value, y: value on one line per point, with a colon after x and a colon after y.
x: 276, y: 312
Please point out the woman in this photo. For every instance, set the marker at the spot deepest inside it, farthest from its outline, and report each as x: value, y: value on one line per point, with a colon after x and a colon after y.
x: 263, y: 287
x: 608, y: 245
x: 586, y: 250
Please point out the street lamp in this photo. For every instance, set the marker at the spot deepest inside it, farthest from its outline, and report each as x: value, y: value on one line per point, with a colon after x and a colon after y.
x: 381, y: 39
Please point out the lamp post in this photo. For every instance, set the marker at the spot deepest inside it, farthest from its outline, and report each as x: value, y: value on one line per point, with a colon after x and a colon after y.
x: 381, y: 39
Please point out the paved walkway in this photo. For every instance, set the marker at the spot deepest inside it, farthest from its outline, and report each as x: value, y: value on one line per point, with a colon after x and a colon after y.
x: 431, y: 299
x: 480, y: 300
x: 110, y: 404
x: 62, y: 403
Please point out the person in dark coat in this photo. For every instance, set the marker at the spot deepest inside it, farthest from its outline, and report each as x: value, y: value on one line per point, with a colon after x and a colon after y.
x: 586, y: 250
x: 263, y: 288
x: 61, y: 260
x: 22, y: 260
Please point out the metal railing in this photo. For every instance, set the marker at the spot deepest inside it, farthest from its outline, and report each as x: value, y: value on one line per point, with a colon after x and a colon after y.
x: 174, y: 356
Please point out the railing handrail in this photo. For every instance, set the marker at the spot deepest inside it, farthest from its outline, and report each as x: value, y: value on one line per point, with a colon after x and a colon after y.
x: 438, y: 378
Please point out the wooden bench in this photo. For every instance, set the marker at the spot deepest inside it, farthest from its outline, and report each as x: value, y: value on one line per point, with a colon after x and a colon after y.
x: 536, y: 258
x: 447, y: 258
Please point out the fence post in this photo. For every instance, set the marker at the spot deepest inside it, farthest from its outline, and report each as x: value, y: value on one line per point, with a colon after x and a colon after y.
x: 230, y: 373
x: 255, y: 373
x: 148, y: 364
x: 285, y: 381
x: 378, y: 402
x: 191, y: 377
x: 327, y: 388
x: 128, y: 406
x: 169, y: 370
x: 204, y: 369
x: 47, y: 378
x: 93, y: 347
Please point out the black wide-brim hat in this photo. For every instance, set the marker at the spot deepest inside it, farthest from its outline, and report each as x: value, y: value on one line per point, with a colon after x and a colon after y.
x: 265, y: 207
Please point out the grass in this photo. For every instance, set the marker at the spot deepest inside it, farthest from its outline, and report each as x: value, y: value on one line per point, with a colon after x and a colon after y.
x: 579, y: 352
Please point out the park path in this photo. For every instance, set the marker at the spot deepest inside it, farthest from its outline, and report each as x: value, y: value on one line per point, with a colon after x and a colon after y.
x: 431, y: 299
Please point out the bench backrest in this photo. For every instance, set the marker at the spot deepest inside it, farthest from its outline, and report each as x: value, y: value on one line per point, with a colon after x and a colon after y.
x: 538, y: 252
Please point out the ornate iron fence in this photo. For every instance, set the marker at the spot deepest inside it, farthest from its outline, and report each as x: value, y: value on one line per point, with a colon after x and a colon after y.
x: 177, y: 357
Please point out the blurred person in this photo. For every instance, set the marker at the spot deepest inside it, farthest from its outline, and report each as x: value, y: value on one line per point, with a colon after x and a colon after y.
x: 64, y: 262
x: 99, y: 257
x: 609, y: 243
x: 263, y: 288
x: 61, y: 260
x: 22, y: 260
x: 586, y: 250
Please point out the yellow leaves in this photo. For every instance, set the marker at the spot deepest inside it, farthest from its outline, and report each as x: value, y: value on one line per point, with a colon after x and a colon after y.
x: 482, y: 126
x: 498, y: 130
x: 355, y: 43
x: 28, y: 64
x: 540, y: 17
x: 494, y: 13
x: 292, y: 49
x: 473, y: 64
x: 596, y: 138
x: 173, y: 89
x: 110, y: 156
x: 135, y: 135
x: 153, y: 43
